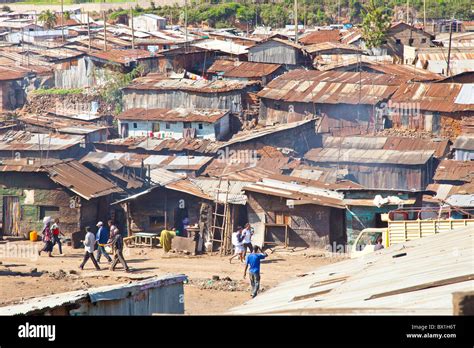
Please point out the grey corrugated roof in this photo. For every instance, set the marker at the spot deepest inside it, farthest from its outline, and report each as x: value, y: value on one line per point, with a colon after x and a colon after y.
x: 218, y: 191
x: 464, y: 142
x: 369, y: 156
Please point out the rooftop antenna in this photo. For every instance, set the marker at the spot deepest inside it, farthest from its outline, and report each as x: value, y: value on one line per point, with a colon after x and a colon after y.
x: 185, y: 26
x: 408, y: 11
x: 62, y: 20
x: 424, y: 14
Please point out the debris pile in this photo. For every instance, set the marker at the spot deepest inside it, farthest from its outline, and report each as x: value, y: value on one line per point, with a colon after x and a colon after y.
x: 224, y: 284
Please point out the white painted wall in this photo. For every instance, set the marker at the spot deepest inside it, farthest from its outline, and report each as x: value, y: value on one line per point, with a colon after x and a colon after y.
x: 175, y: 130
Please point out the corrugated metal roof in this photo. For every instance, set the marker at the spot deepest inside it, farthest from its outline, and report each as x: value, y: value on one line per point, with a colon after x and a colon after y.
x: 103, y: 293
x: 466, y: 95
x: 326, y: 46
x: 438, y: 97
x: 464, y: 142
x: 61, y: 124
x: 281, y: 186
x: 173, y: 115
x: 347, y: 287
x: 22, y: 140
x: 335, y: 155
x: 387, y: 143
x: 230, y: 191
x: 450, y: 170
x: 159, y: 82
x: 121, y: 56
x: 463, y: 201
x: 319, y: 36
x: 332, y: 87
x: 229, y: 47
x: 252, y: 70
x: 80, y: 180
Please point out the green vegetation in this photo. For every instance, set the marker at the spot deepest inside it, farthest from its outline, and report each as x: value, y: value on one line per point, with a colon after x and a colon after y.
x: 58, y: 91
x: 375, y: 24
x: 115, y: 81
x: 48, y: 18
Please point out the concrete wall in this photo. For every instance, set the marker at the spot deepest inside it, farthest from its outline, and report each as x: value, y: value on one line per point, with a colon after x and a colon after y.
x: 175, y: 129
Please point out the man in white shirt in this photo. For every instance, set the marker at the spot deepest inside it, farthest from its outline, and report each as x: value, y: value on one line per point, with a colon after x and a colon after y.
x: 247, y: 242
x: 237, y: 239
x: 89, y: 243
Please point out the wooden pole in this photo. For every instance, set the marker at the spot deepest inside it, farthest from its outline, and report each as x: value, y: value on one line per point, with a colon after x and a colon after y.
x: 424, y: 14
x: 62, y: 20
x: 133, y: 30
x: 89, y: 30
x: 408, y: 11
x: 449, y: 48
x: 296, y: 21
x: 105, y: 31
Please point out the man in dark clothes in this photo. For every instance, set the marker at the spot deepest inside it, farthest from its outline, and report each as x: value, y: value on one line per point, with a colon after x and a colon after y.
x: 116, y: 241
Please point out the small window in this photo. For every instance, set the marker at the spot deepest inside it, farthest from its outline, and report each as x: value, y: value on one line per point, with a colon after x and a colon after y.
x: 135, y: 125
x: 423, y: 40
x: 48, y: 211
x: 398, y: 41
x: 168, y: 125
x: 410, y: 42
x: 187, y: 125
x: 200, y: 126
x: 155, y: 127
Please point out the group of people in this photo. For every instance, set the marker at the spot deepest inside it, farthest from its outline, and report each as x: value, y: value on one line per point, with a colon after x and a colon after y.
x: 106, y: 236
x: 51, y: 236
x: 242, y: 241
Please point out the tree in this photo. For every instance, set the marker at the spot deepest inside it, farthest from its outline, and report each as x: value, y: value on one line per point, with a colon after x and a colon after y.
x: 48, y: 18
x: 374, y: 25
x: 67, y: 15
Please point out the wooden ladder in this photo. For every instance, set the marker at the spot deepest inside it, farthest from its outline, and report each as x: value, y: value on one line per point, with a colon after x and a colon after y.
x: 222, y: 211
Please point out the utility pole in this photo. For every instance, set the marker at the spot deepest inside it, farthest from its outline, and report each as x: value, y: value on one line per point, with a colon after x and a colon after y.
x: 449, y: 48
x: 408, y: 11
x: 185, y: 26
x: 133, y: 30
x: 105, y: 32
x: 338, y: 11
x: 62, y: 20
x: 89, y: 30
x: 296, y: 21
x: 424, y: 14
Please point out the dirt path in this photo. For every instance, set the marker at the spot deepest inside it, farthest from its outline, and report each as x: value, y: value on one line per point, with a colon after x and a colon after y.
x: 26, y: 276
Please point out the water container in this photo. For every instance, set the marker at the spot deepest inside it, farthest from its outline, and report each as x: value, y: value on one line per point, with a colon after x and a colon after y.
x: 33, y: 236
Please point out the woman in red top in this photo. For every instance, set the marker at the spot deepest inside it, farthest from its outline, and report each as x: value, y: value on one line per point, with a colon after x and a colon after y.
x: 47, y: 239
x: 56, y: 232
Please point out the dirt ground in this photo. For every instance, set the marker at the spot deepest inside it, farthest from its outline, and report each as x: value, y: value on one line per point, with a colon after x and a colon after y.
x: 214, y: 285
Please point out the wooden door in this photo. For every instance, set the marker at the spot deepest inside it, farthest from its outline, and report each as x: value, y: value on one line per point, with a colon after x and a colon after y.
x: 11, y: 216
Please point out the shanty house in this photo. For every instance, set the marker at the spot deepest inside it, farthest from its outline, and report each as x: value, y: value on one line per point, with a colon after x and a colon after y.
x: 437, y: 107
x: 155, y: 91
x: 464, y: 148
x: 12, y: 87
x: 148, y: 22
x: 401, y: 35
x: 244, y: 71
x: 22, y: 144
x: 378, y: 168
x: 174, y: 123
x: 295, y: 212
x: 349, y: 99
x: 278, y: 51
x: 31, y: 190
x: 326, y: 53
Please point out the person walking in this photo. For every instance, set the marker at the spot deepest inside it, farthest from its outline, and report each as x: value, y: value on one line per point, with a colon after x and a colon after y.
x: 47, y: 237
x: 247, y: 235
x: 89, y: 243
x: 56, y: 232
x: 237, y: 239
x: 116, y: 241
x: 253, y: 260
x: 102, y: 238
